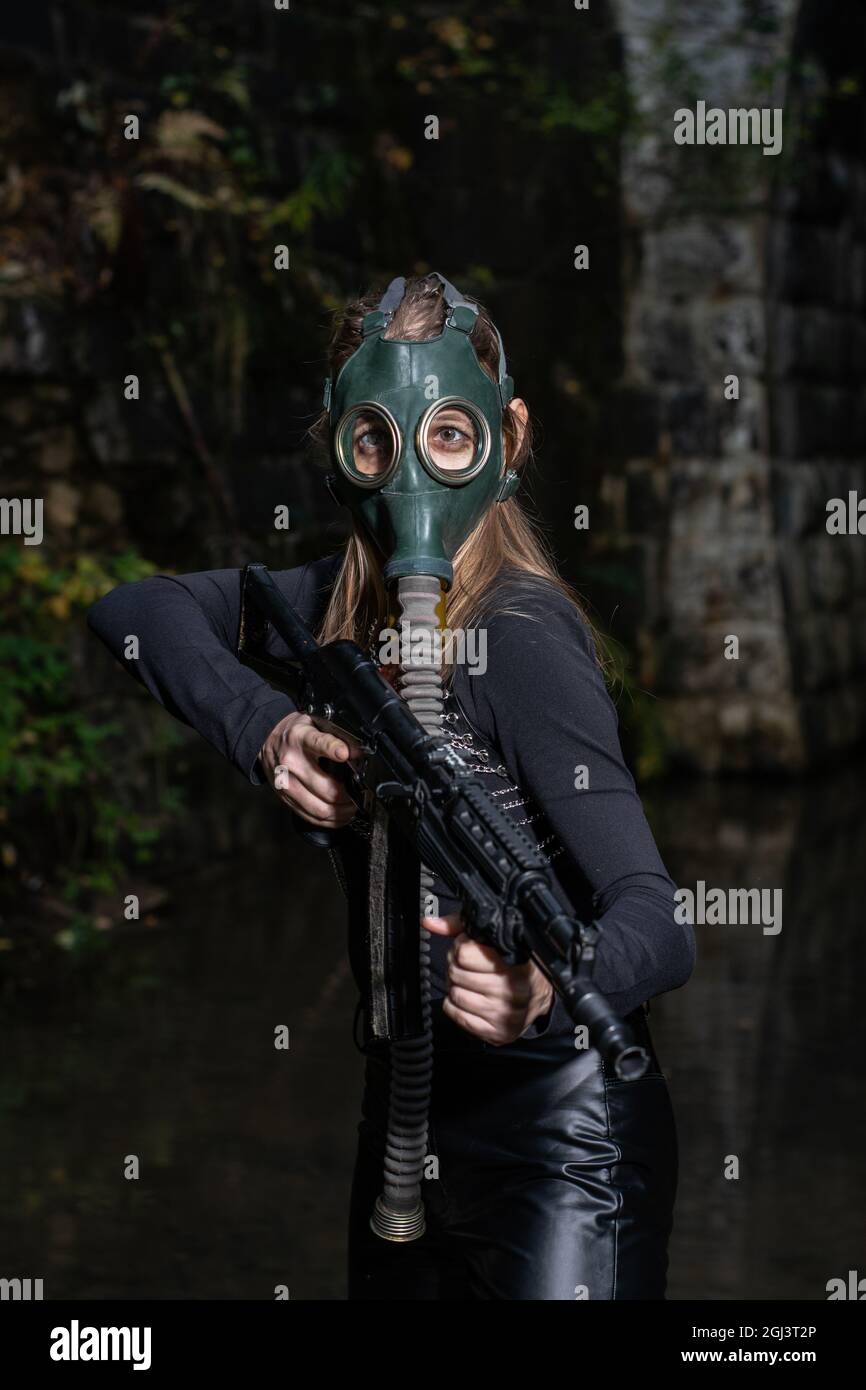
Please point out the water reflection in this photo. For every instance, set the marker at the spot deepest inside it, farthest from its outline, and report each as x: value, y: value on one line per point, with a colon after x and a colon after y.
x: 164, y: 1049
x: 764, y: 1049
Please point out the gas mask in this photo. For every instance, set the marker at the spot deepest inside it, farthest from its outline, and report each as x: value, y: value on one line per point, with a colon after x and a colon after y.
x: 416, y: 433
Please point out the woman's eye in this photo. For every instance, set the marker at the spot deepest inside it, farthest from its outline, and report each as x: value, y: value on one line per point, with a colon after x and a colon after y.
x: 451, y: 436
x: 371, y: 440
x: 373, y: 450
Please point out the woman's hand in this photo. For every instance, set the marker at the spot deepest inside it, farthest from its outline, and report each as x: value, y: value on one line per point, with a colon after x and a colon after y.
x: 495, y: 1001
x: 290, y: 759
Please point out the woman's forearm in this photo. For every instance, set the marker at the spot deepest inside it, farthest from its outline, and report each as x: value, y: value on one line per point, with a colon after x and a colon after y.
x: 643, y: 950
x: 176, y: 636
x: 185, y: 632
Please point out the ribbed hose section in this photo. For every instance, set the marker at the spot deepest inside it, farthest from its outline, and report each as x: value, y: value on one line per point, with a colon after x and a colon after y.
x: 399, y: 1211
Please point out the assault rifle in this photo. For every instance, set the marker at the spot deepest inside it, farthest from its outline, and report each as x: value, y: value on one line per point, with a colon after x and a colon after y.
x: 442, y: 809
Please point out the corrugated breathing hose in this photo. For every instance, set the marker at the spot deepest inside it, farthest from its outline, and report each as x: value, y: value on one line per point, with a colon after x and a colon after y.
x: 399, y: 1211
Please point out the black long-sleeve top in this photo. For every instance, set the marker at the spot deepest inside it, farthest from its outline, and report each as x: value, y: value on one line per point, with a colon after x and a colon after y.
x: 541, y: 703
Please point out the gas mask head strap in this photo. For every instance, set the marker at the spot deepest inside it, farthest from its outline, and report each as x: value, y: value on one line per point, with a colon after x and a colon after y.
x: 462, y: 315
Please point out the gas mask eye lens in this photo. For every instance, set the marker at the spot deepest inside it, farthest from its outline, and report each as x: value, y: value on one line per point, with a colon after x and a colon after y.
x: 367, y: 444
x: 453, y: 440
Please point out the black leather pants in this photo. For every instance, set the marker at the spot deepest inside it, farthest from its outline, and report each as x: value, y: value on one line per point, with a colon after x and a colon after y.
x: 556, y: 1181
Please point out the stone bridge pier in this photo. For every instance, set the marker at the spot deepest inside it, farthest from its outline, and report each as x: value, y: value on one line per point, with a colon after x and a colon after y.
x: 752, y: 266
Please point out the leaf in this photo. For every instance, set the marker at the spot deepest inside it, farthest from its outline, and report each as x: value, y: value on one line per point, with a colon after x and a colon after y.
x: 232, y: 85
x: 188, y: 197
x: 102, y: 210
x: 186, y: 135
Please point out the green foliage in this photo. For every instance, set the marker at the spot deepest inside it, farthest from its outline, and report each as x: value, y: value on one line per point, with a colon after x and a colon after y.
x: 322, y: 190
x: 642, y: 730
x: 67, y: 798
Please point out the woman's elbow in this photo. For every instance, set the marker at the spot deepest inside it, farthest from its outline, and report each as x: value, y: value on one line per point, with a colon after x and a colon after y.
x: 683, y: 955
x: 105, y: 616
x: 117, y: 616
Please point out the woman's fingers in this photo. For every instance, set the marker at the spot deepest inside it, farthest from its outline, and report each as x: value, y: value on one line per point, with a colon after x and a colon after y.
x: 320, y: 744
x: 486, y: 996
x: 472, y: 955
x: 315, y: 796
x: 293, y: 788
x: 490, y: 998
x: 497, y: 1021
x: 308, y: 775
x: 472, y: 1001
x: 290, y: 756
x: 306, y: 745
x: 299, y: 783
x: 512, y: 987
x: 449, y: 925
x: 321, y: 813
x: 472, y: 1023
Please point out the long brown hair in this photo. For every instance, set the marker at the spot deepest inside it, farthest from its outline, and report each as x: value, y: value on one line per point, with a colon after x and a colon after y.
x: 505, y: 537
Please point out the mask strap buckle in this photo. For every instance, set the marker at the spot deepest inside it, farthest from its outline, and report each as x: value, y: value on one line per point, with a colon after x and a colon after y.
x: 463, y: 316
x: 374, y: 322
x: 508, y: 486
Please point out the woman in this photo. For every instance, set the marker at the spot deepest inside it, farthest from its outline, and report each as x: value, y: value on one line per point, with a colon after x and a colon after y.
x: 553, y: 1179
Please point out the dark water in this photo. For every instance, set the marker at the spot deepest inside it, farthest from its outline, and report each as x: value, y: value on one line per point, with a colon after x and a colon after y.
x: 162, y: 1047
x: 765, y: 1048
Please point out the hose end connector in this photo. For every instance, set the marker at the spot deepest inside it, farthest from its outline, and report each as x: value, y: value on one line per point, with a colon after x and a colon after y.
x: 400, y: 1226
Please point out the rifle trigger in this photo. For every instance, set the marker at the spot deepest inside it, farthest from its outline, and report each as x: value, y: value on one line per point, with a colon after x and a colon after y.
x: 393, y: 791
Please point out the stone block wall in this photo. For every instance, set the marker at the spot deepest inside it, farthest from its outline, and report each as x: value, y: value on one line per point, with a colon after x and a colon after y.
x: 739, y: 268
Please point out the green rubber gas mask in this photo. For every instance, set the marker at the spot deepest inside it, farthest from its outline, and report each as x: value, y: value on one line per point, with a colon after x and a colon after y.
x: 416, y: 431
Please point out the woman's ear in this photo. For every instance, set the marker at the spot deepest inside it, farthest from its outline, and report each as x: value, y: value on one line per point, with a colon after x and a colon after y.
x: 520, y: 419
